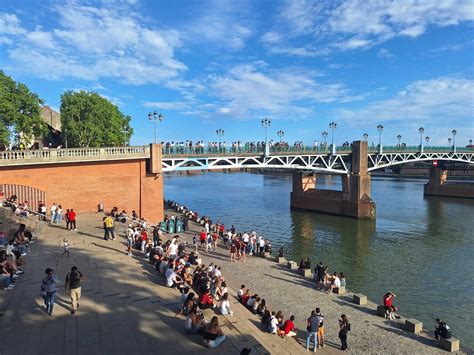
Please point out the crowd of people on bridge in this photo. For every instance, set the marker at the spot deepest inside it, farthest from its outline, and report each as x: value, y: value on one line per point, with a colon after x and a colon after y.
x: 221, y: 147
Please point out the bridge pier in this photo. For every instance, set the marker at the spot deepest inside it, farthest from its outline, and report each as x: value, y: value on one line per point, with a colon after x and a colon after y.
x: 354, y: 199
x: 438, y: 185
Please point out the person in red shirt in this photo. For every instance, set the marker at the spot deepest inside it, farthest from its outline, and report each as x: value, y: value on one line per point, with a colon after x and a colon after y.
x: 202, y: 238
x: 221, y: 230
x: 390, y: 309
x: 245, y: 297
x: 206, y: 301
x: 288, y: 328
x: 72, y: 219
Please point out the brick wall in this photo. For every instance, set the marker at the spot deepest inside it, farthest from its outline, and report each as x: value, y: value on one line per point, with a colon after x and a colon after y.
x: 82, y: 186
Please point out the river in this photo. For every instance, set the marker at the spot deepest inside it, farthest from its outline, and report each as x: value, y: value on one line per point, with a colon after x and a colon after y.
x: 421, y: 248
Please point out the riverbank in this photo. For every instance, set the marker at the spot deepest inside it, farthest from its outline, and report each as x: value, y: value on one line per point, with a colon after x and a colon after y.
x: 124, y: 308
x: 295, y: 295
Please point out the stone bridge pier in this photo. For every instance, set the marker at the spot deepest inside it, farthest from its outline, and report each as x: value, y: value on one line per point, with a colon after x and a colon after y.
x: 354, y: 199
x: 438, y: 185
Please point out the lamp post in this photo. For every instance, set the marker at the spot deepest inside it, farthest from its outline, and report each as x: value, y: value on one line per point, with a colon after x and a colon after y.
x: 155, y: 117
x: 454, y: 140
x: 266, y: 122
x: 65, y: 133
x: 280, y: 134
x: 125, y: 130
x: 399, y: 137
x: 380, y: 129
x: 220, y: 133
x: 325, y: 135
x: 366, y: 136
x: 421, y: 130
x: 333, y: 126
x: 470, y: 142
x: 449, y: 142
x: 427, y: 140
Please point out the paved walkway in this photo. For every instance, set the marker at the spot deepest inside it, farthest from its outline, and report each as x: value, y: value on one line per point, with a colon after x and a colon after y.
x: 124, y: 308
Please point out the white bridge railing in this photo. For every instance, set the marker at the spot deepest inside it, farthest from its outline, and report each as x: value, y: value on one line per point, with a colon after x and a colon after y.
x: 42, y: 156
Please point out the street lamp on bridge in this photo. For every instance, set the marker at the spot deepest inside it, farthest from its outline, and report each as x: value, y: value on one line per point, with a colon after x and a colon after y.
x: 380, y: 129
x: 421, y: 130
x: 325, y: 135
x: 155, y: 117
x: 366, y: 136
x: 125, y: 131
x: 454, y: 140
x: 280, y: 134
x: 427, y: 139
x: 333, y: 126
x: 266, y: 122
x: 220, y: 133
x: 399, y: 137
x: 449, y: 142
x: 470, y: 142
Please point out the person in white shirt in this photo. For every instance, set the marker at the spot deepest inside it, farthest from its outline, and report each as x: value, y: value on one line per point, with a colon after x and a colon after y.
x: 240, y: 292
x: 225, y: 305
x: 53, y: 212
x: 173, y: 250
x: 273, y: 324
x: 172, y: 280
x: 261, y: 244
x: 336, y: 283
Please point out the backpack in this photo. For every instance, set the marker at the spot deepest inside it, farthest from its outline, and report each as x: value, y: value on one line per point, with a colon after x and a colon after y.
x: 268, y: 326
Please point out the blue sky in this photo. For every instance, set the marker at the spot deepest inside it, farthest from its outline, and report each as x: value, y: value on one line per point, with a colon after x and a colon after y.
x: 227, y: 64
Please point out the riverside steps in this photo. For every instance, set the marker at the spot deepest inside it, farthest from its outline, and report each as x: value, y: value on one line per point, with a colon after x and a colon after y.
x: 293, y: 294
x: 124, y: 309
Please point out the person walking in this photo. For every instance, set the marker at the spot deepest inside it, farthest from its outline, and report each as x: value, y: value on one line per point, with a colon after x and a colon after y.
x: 48, y: 288
x: 344, y: 328
x: 72, y: 286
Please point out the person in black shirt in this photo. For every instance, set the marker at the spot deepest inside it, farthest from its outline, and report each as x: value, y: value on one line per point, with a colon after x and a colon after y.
x: 442, y: 330
x: 73, y: 287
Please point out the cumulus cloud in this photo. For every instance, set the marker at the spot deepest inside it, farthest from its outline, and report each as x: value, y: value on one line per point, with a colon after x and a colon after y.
x: 444, y: 98
x: 253, y: 89
x: 95, y: 42
x: 361, y: 24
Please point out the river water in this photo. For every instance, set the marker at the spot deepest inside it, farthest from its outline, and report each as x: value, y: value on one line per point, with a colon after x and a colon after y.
x: 421, y: 248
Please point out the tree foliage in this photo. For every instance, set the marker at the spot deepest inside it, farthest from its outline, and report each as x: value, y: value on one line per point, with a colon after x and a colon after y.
x: 90, y: 120
x: 20, y: 112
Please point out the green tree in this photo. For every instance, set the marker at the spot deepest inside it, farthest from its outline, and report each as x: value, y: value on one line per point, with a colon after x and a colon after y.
x: 90, y: 120
x: 20, y: 112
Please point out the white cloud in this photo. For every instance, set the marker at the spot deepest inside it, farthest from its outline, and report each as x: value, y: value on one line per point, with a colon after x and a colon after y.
x: 361, y: 24
x: 252, y: 90
x: 384, y: 53
x: 94, y: 42
x: 441, y: 99
x: 10, y: 25
x: 221, y: 24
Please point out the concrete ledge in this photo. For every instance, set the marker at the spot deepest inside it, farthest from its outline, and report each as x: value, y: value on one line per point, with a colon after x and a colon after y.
x: 280, y: 260
x: 359, y: 299
x: 292, y: 265
x: 450, y: 345
x: 413, y: 326
x: 381, y: 311
x: 340, y: 290
x: 306, y: 272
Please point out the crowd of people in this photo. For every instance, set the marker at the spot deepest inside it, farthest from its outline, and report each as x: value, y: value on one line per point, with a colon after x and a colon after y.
x: 200, y: 286
x: 13, y: 255
x: 221, y: 147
